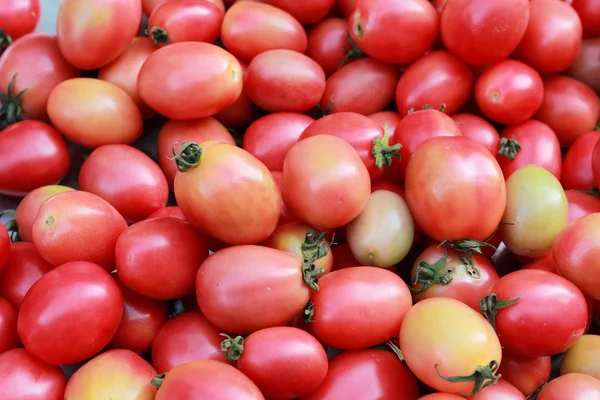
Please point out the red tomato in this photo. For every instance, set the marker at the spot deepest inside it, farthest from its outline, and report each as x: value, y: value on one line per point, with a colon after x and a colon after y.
x: 571, y: 386
x: 577, y: 172
x: 19, y: 18
x: 149, y: 5
x: 117, y: 120
x: 545, y: 263
x: 240, y: 113
x: 346, y: 6
x: 324, y: 181
x: 250, y: 28
x: 165, y: 212
x: 525, y: 373
x: 286, y: 215
x: 297, y: 87
x: 589, y: 13
x: 358, y: 375
x: 499, y: 391
x: 32, y: 154
x: 586, y: 67
x: 8, y: 326
x: 328, y: 44
x: 306, y: 12
x: 391, y: 118
x: 483, y: 32
x: 373, y: 27
x: 570, y: 108
x: 24, y: 377
x: 70, y: 314
x: 478, y: 128
x: 343, y: 257
x: 436, y: 79
x: 170, y: 74
x: 365, y: 86
x: 91, y: 34
x: 596, y: 164
x: 581, y: 204
x: 67, y: 229
x: 553, y: 37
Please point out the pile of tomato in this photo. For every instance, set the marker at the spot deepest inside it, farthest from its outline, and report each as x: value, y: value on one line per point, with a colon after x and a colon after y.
x: 316, y: 200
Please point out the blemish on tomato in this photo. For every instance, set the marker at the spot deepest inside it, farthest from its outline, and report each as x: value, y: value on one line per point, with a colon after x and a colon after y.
x: 50, y: 220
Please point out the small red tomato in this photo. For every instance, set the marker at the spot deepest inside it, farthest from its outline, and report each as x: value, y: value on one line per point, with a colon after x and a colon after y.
x: 67, y: 229
x: 589, y: 12
x: 577, y: 172
x: 571, y: 386
x: 343, y: 257
x: 8, y: 326
x: 586, y: 67
x: 581, y: 204
x: 328, y: 44
x: 306, y: 12
x: 391, y: 118
x: 19, y: 18
x: 165, y: 212
x: 478, y: 128
x: 501, y: 390
x: 286, y: 215
x: 525, y: 373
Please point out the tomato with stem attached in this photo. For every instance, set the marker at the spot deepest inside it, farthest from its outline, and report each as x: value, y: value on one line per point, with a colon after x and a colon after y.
x: 527, y: 374
x: 19, y: 18
x: 571, y: 386
x: 577, y: 168
x: 477, y: 128
x: 391, y: 118
x: 328, y: 44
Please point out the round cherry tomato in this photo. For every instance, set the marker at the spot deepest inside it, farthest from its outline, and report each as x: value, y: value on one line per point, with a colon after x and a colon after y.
x: 582, y: 356
x: 19, y: 18
x: 91, y: 34
x: 70, y: 314
x: 241, y: 112
x: 250, y: 28
x: 436, y: 79
x: 527, y: 374
x: 576, y: 169
x: 328, y: 44
x: 286, y: 215
x: 502, y: 390
x: 586, y: 67
x: 24, y: 377
x: 581, y: 204
x: 117, y: 120
x: 306, y: 12
x: 66, y: 229
x: 28, y: 208
x: 478, y: 128
x: 572, y: 387
x: 325, y: 183
x: 8, y: 326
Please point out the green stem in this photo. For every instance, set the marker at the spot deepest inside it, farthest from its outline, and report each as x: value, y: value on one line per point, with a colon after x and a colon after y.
x: 11, y: 104
x: 315, y: 246
x: 395, y: 348
x: 158, y: 380
x: 490, y: 305
x: 233, y: 348
x: 382, y: 151
x: 467, y: 246
x: 159, y: 35
x: 509, y: 148
x: 188, y: 156
x: 431, y: 274
x: 483, y: 377
x: 353, y: 54
x: 311, y: 274
x: 5, y: 41
x: 309, y: 312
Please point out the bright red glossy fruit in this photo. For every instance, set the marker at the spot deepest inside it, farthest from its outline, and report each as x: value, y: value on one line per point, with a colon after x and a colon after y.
x: 589, y: 12
x: 577, y: 172
x: 306, y: 12
x: 475, y: 127
x: 545, y: 263
x: 581, y: 204
x: 571, y: 386
x: 19, y: 18
x: 241, y: 112
x: 343, y: 257
x: 586, y: 67
x: 328, y: 44
x: 525, y: 373
x: 8, y: 326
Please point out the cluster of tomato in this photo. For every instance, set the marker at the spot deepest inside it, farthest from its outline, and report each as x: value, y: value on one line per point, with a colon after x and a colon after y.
x: 397, y: 221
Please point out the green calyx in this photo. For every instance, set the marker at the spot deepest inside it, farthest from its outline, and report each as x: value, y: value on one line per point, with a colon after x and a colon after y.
x: 597, y: 127
x: 311, y: 274
x: 353, y: 54
x: 382, y: 151
x: 431, y: 274
x: 233, y: 348
x: 483, y: 377
x: 158, y: 380
x: 5, y: 41
x: 467, y: 246
x: 428, y: 107
x: 393, y: 346
x: 11, y: 104
x: 315, y: 246
x: 309, y: 313
x: 159, y: 35
x: 509, y: 148
x: 188, y: 156
x: 490, y: 305
x: 11, y: 226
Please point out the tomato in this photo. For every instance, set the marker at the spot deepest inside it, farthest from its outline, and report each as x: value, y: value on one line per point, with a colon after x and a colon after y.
x: 24, y: 377
x: 286, y: 215
x: 525, y: 373
x: 324, y: 181
x: 343, y: 257
x: 206, y: 379
x: 66, y: 229
x: 502, y: 390
x: 70, y: 314
x: 576, y: 169
x: 5, y: 243
x: 308, y: 12
x: 545, y: 263
x: 391, y: 118
x: 581, y: 204
x: 596, y: 164
x: 436, y: 79
x: 553, y: 37
x: 589, y: 12
x: 8, y: 326
x: 536, y: 211
x: 297, y: 87
x: 478, y: 128
x: 242, y: 209
x: 483, y: 32
x: 580, y: 358
x: 117, y: 120
x: 328, y: 44
x: 572, y: 387
x: 346, y: 6
x: 240, y: 113
x: 570, y: 108
x: 269, y: 138
x: 149, y: 5
x: 250, y: 28
x: 361, y: 374
x: 586, y: 67
x: 435, y: 346
x: 166, y: 212
x: 19, y: 18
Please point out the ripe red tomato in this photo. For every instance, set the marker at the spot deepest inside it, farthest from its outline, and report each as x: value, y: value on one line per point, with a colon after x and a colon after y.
x: 324, y: 182
x: 545, y: 263
x: 24, y: 377
x: 286, y: 215
x: 306, y: 12
x: 553, y: 37
x: 241, y: 112
x: 577, y: 172
x: 589, y: 12
x: 92, y: 34
x: 436, y: 79
x: 525, y: 373
x: 8, y: 326
x: 346, y: 6
x: 582, y: 356
x: 343, y: 257
x: 250, y: 28
x: 502, y: 390
x: 328, y: 44
x: 586, y: 67
x: 483, y: 32
x: 66, y: 229
x: 581, y: 204
x: 572, y: 387
x: 19, y: 18
x: 475, y: 127
x: 70, y: 314
x: 149, y: 5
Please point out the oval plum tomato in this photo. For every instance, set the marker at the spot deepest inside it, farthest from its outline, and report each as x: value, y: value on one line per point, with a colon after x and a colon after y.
x: 529, y: 143
x: 483, y: 32
x: 391, y: 118
x: 502, y: 390
x: 586, y: 67
x: 358, y: 375
x: 159, y: 258
x: 435, y: 355
x: 297, y: 87
x: 8, y: 327
x: 66, y: 229
x: 596, y: 164
x: 165, y: 212
x: 328, y: 44
x: 475, y: 127
x: 525, y: 373
x: 244, y: 208
x: 553, y: 37
x: 441, y: 272
x: 307, y: 12
x: 343, y: 257
x: 206, y: 379
x: 286, y: 215
x: 135, y: 194
x: 324, y: 182
x: 70, y: 314
x: 32, y: 154
x: 379, y: 304
x: 529, y: 321
x: 383, y: 232
x: 174, y: 133
x: 570, y: 108
x: 576, y: 168
x: 93, y: 33
x: 372, y: 26
x: 536, y: 211
x: 436, y: 79
x: 19, y: 18
x: 581, y: 357
x: 170, y: 74
x: 24, y: 377
x: 37, y: 66
x: 581, y: 204
x: 269, y: 138
x: 572, y: 387
x: 241, y: 112
x: 124, y: 70
x: 250, y: 28
x: 464, y: 170
x: 117, y: 120
x: 295, y: 356
x: 509, y: 92
x: 589, y: 13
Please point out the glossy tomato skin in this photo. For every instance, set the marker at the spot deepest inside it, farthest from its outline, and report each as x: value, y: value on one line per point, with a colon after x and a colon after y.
x: 586, y: 67
x: 297, y: 87
x: 328, y: 44
x: 577, y: 172
x: 8, y: 326
x: 117, y: 118
x: 581, y: 204
x: 479, y: 129
x: 307, y: 12
x: 346, y: 6
x: 93, y: 33
x: 580, y: 358
x: 545, y: 263
x: 20, y: 18
x: 250, y: 28
x: 324, y: 181
x: 525, y: 373
x: 391, y: 118
x: 286, y: 215
x: 360, y: 374
x: 499, y: 391
x: 149, y: 5
x: 437, y: 78
x: 32, y: 154
x: 589, y: 12
x: 81, y: 306
x: 165, y: 212
x: 175, y: 67
x: 572, y: 386
x: 28, y: 208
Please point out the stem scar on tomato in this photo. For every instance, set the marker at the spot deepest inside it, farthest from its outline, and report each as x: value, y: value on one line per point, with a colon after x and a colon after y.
x: 309, y: 313
x: 188, y: 156
x: 233, y: 348
x: 354, y: 53
x: 490, y: 305
x: 159, y: 35
x: 382, y: 151
x: 509, y: 148
x: 483, y: 377
x: 158, y: 380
